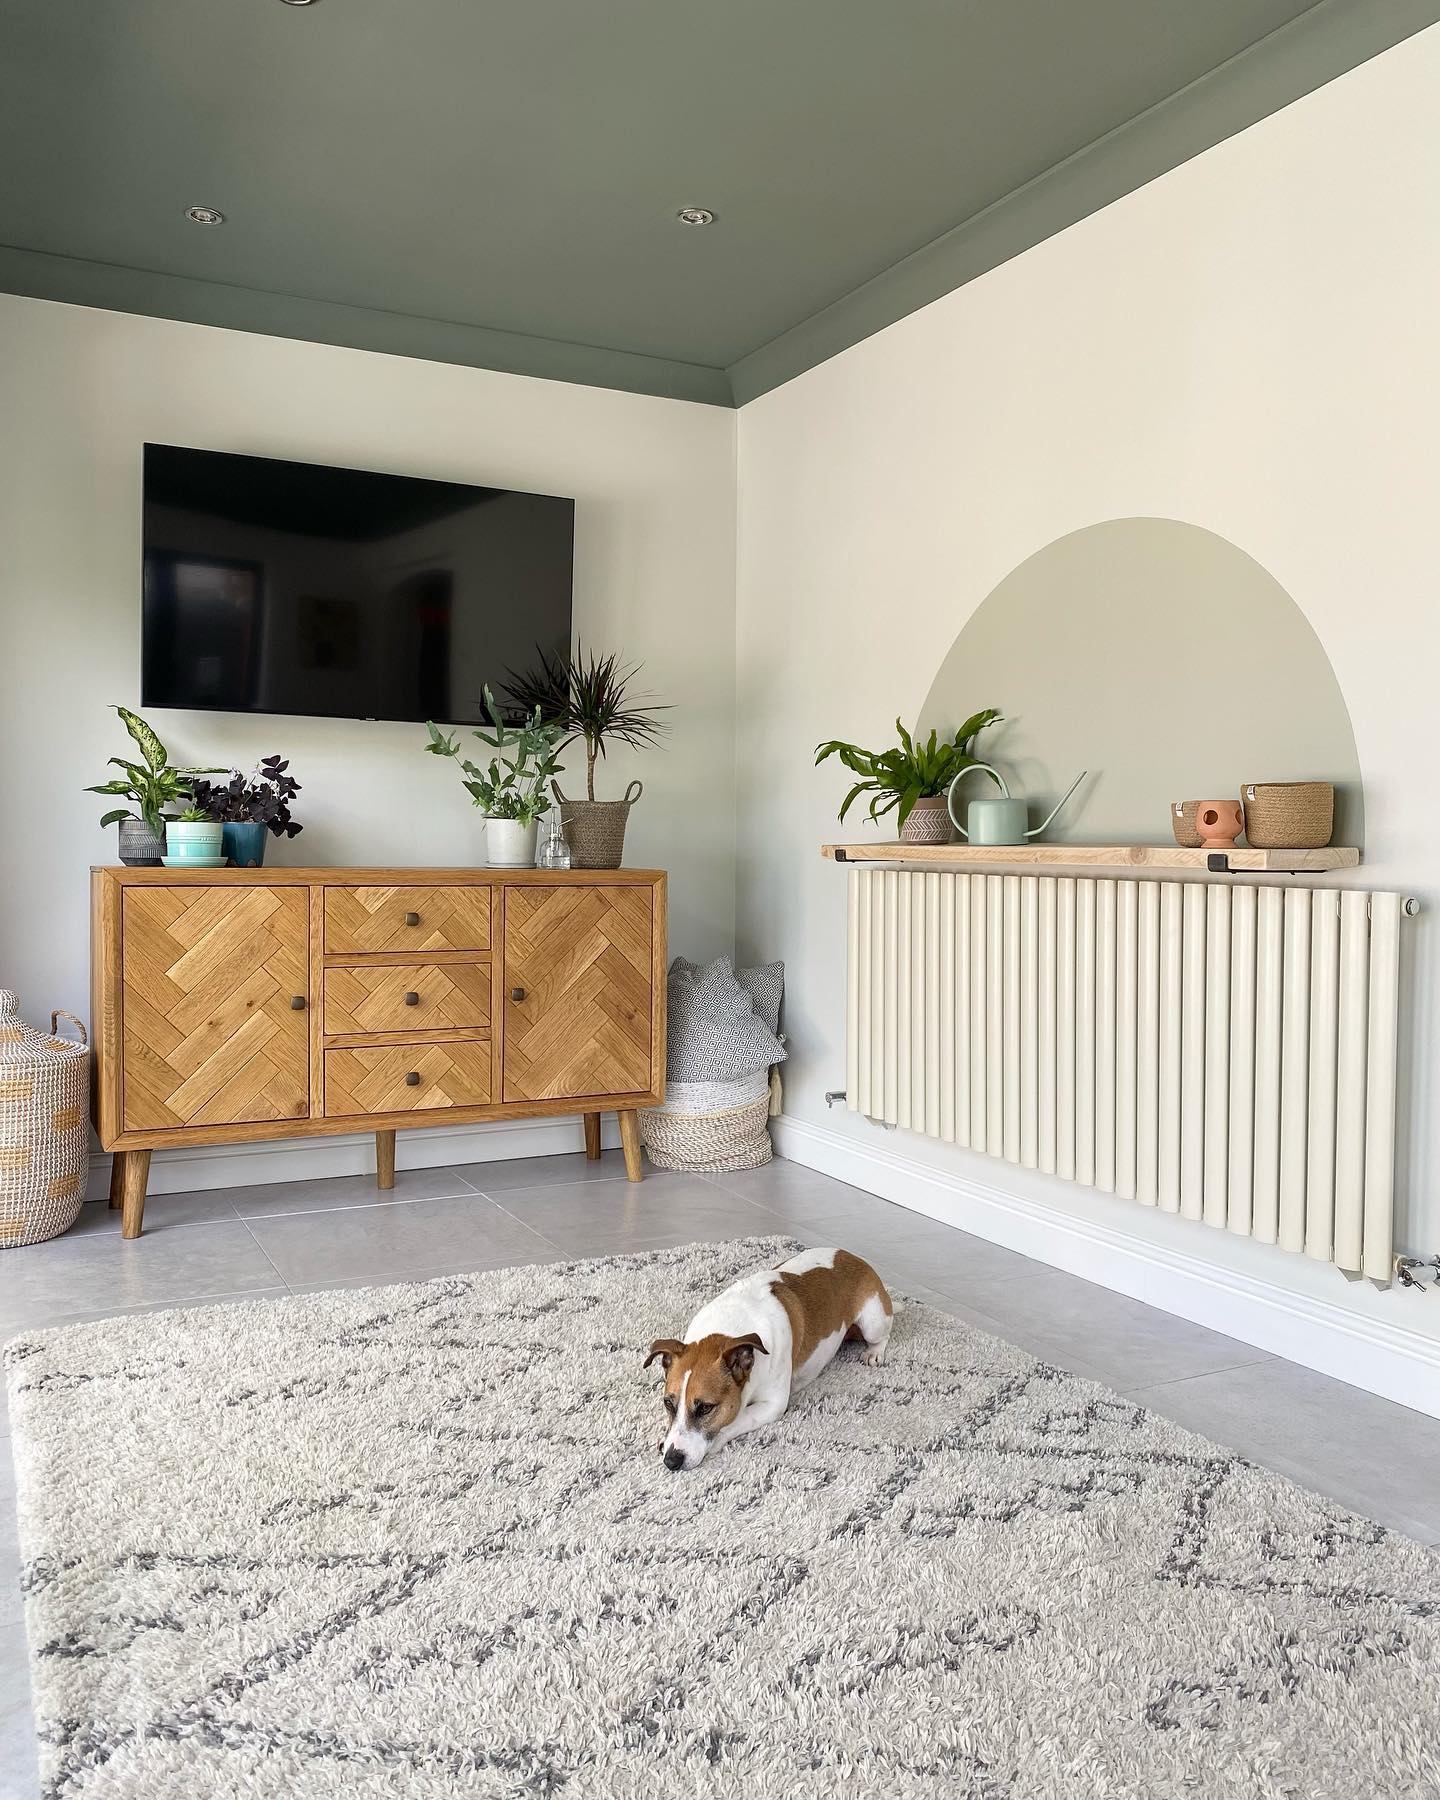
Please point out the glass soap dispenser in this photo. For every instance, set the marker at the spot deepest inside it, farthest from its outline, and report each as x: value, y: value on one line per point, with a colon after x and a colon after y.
x: 554, y: 851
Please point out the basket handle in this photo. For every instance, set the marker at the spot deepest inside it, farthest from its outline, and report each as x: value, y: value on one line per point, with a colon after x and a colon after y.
x: 630, y: 798
x: 55, y: 1018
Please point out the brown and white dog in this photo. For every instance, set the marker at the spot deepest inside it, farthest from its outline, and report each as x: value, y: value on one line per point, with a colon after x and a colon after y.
x: 748, y: 1350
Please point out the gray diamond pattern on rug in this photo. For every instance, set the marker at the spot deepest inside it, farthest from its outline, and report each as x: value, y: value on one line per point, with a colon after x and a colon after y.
x: 417, y: 1541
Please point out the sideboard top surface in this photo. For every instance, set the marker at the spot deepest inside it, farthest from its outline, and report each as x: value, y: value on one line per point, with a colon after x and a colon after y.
x: 348, y: 877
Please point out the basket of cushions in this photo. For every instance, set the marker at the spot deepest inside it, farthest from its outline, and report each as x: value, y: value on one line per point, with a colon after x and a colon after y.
x: 723, y: 1051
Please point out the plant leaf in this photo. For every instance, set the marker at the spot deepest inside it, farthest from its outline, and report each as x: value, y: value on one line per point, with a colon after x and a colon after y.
x: 151, y: 748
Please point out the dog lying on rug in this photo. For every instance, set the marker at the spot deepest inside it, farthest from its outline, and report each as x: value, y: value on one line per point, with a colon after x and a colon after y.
x: 766, y: 1337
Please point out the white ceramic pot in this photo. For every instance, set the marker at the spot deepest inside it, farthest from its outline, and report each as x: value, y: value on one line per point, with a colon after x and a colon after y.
x: 509, y: 844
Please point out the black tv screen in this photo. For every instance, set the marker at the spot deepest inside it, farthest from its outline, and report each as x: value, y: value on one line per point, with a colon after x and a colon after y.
x: 284, y: 587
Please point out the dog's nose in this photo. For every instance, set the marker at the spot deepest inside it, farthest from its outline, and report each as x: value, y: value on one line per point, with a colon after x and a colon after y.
x: 674, y: 1459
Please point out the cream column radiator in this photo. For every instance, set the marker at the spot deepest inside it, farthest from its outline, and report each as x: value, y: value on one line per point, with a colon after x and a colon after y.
x: 1224, y: 1053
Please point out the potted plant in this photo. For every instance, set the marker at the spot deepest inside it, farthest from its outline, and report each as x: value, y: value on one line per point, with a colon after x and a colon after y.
x: 511, y: 791
x: 193, y: 837
x: 588, y: 697
x: 911, y: 781
x: 150, y: 786
x: 248, y: 806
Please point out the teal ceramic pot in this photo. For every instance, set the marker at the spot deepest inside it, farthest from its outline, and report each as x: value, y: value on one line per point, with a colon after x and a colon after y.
x: 192, y: 838
x: 245, y: 844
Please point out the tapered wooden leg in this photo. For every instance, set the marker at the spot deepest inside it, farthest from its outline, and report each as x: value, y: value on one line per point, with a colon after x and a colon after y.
x: 592, y: 1136
x: 134, y: 1174
x: 117, y: 1166
x: 384, y: 1159
x: 630, y: 1139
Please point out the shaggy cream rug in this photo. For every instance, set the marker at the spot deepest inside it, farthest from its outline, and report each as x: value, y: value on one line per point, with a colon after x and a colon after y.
x: 417, y: 1541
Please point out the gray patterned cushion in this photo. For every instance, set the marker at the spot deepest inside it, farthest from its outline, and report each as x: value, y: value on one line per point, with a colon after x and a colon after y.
x: 713, y: 1031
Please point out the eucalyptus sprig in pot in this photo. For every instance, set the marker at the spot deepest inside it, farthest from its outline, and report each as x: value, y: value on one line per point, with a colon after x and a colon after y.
x: 912, y: 780
x: 589, y: 698
x: 151, y: 786
x: 511, y: 790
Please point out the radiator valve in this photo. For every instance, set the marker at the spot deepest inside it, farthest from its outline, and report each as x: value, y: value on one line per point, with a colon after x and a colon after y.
x: 1408, y: 1270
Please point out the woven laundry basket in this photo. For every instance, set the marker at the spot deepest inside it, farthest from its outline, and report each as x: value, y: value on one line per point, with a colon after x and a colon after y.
x: 44, y: 1129
x: 708, y: 1127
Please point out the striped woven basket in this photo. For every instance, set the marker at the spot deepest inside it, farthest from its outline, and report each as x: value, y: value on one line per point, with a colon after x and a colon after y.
x: 44, y: 1130
x: 709, y: 1143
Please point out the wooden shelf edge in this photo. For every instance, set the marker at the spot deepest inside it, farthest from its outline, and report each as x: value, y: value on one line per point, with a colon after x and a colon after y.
x: 1241, y: 860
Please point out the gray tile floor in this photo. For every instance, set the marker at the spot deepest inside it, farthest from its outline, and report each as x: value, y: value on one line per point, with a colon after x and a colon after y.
x: 299, y: 1237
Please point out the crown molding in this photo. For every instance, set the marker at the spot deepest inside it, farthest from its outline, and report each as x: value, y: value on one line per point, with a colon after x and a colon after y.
x: 77, y: 282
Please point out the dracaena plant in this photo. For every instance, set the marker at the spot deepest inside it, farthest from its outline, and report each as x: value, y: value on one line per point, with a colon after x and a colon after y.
x: 588, y: 697
x: 896, y: 779
x: 512, y: 786
x: 260, y: 798
x: 151, y: 785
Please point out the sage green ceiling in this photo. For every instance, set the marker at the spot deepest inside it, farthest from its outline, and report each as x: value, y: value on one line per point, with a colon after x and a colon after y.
x: 495, y: 181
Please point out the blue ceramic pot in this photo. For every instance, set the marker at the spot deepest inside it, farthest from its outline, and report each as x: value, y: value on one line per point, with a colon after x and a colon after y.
x: 245, y: 845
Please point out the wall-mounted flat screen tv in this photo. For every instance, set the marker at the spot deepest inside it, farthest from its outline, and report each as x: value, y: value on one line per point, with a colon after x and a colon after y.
x: 285, y: 587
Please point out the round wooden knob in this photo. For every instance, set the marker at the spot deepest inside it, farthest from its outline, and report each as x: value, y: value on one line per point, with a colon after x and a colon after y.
x: 412, y: 999
x: 413, y: 1078
x: 412, y: 918
x: 517, y: 993
x: 297, y: 1003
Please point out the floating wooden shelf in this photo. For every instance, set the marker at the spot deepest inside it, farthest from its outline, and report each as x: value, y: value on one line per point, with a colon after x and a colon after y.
x: 1095, y: 856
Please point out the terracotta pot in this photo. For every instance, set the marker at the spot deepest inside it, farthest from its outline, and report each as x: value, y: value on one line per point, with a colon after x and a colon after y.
x: 928, y: 823
x: 1219, y: 823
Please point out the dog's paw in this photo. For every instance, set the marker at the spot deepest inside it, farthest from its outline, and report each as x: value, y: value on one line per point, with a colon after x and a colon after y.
x: 873, y: 1356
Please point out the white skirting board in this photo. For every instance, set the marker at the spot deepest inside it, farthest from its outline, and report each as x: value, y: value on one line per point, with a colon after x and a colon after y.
x: 1383, y: 1358
x: 310, y: 1159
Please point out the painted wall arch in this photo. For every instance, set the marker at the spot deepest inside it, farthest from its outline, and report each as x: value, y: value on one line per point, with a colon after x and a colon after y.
x: 1163, y: 659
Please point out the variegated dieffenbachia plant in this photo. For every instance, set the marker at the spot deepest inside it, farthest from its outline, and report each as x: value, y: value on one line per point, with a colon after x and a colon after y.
x: 150, y: 786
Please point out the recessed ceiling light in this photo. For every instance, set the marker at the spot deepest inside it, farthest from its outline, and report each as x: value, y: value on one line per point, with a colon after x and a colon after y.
x: 297, y: 2
x: 204, y: 215
x: 695, y: 215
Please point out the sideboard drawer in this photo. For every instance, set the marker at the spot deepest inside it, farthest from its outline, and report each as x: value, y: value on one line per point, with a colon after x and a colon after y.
x: 360, y: 920
x: 452, y: 996
x: 407, y: 1078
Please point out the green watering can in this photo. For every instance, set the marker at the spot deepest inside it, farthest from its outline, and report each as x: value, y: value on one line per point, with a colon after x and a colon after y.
x: 1000, y: 821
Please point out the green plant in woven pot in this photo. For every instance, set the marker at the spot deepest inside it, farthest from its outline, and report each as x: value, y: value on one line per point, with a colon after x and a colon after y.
x: 912, y: 779
x: 589, y: 698
x: 151, y: 786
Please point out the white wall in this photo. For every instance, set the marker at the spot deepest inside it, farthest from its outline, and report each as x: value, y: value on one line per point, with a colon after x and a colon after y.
x: 82, y: 390
x: 1248, y: 344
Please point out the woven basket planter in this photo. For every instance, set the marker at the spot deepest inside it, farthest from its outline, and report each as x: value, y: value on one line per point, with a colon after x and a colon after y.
x: 44, y: 1127
x: 1289, y: 815
x: 709, y: 1143
x: 1182, y: 823
x: 595, y: 829
x: 929, y: 822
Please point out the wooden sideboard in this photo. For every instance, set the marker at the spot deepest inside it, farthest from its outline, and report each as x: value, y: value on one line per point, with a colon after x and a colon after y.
x: 239, y: 1004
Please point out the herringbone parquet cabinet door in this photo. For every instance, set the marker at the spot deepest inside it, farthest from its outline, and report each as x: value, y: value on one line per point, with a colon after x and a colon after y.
x: 212, y: 1034
x: 580, y: 958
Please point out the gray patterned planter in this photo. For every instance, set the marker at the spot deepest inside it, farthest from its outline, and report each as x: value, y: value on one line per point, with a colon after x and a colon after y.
x: 140, y: 847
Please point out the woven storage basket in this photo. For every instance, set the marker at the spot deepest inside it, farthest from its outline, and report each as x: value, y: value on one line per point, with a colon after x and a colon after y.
x: 1182, y: 823
x: 44, y: 1129
x: 709, y: 1143
x: 595, y: 829
x: 1289, y: 815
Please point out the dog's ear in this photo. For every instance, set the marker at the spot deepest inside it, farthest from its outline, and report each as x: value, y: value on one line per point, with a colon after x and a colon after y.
x: 740, y: 1356
x: 664, y: 1348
